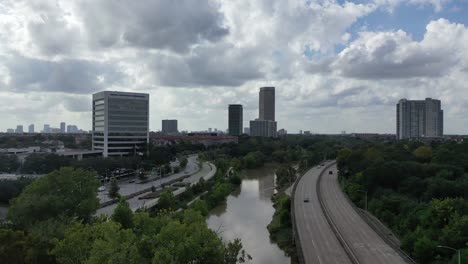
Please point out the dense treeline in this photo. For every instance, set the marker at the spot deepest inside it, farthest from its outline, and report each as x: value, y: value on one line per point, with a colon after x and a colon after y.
x: 22, y: 141
x: 53, y: 221
x: 420, y: 192
x: 8, y: 163
x: 12, y: 188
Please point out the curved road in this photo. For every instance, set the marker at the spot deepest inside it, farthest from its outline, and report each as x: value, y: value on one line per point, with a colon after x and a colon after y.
x: 319, y: 242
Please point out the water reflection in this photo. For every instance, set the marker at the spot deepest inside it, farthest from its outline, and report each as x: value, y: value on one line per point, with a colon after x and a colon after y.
x: 246, y: 216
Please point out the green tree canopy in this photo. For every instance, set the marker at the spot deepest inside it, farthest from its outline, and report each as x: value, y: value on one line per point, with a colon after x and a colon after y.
x: 68, y: 192
x: 114, y: 189
x: 123, y: 214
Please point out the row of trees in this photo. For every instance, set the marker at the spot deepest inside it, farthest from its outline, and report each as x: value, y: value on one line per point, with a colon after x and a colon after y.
x: 420, y: 192
x: 52, y: 222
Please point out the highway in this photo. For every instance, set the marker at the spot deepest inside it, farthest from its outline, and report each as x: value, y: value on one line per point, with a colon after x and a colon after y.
x: 207, y: 172
x: 127, y: 188
x: 338, y: 234
x: 319, y: 243
x: 366, y: 244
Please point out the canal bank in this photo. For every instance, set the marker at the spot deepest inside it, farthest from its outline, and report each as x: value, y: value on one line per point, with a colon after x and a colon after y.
x: 246, y: 214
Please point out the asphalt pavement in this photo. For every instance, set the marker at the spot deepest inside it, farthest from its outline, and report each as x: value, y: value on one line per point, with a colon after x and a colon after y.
x: 127, y: 188
x: 208, y: 170
x: 365, y: 243
x: 319, y: 243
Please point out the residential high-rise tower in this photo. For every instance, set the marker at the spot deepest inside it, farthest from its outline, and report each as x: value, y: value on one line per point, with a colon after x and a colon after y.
x: 419, y: 118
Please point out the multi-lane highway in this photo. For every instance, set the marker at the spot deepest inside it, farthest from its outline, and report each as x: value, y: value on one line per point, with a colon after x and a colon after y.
x: 329, y: 228
x: 319, y: 243
x: 127, y: 188
x: 207, y: 171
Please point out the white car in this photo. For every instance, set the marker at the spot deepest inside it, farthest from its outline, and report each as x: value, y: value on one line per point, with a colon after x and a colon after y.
x: 101, y: 188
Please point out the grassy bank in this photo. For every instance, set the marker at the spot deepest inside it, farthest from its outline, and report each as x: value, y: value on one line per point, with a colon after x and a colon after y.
x: 280, y: 227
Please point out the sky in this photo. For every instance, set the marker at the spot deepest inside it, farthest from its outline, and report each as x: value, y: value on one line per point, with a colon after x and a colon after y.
x: 336, y: 65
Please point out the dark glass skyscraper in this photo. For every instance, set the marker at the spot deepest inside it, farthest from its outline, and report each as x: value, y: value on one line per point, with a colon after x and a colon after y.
x: 235, y: 119
x: 267, y: 103
x: 169, y: 126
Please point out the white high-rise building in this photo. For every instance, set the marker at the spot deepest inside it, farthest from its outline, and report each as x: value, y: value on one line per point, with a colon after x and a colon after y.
x: 62, y: 128
x: 419, y: 118
x: 265, y: 125
x: 46, y: 128
x: 19, y: 129
x: 31, y: 128
x: 120, y: 123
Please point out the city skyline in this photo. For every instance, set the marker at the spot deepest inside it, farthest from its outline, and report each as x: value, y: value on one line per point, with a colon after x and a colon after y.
x: 344, y: 64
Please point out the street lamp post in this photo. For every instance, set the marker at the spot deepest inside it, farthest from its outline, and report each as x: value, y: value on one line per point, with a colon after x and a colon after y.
x: 365, y: 203
x: 456, y: 250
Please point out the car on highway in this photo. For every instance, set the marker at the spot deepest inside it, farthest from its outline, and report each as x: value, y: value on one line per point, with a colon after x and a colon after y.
x: 306, y: 200
x: 330, y: 172
x: 101, y: 188
x: 131, y: 181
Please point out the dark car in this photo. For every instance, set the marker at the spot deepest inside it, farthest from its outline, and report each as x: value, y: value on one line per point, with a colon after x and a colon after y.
x: 306, y: 200
x: 330, y: 172
x: 131, y: 181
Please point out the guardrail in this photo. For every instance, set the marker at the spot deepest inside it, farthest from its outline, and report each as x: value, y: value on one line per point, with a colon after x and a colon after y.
x: 297, y: 241
x: 352, y: 256
x: 366, y: 216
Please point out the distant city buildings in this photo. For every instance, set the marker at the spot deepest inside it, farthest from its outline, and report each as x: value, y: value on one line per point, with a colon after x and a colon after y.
x: 265, y: 125
x: 282, y: 132
x: 247, y: 130
x: 120, y: 123
x: 10, y: 130
x: 207, y: 139
x: 62, y: 128
x: 235, y: 119
x: 169, y: 126
x: 31, y: 128
x: 72, y: 129
x: 419, y: 119
x: 46, y: 128
x: 19, y: 129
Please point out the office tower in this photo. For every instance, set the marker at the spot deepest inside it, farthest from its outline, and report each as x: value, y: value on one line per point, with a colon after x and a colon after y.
x: 62, y: 128
x: 419, y: 118
x: 31, y: 128
x: 120, y: 123
x: 10, y: 130
x: 265, y: 125
x: 169, y: 126
x: 210, y: 130
x: 19, y: 129
x: 235, y: 122
x: 267, y: 103
x: 247, y: 130
x: 46, y: 128
x: 262, y: 128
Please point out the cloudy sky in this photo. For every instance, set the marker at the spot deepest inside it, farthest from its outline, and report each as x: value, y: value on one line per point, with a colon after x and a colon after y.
x: 336, y: 65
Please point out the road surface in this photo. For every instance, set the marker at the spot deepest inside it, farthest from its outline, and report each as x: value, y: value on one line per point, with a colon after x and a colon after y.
x: 207, y: 172
x: 127, y: 188
x: 365, y: 243
x: 324, y: 235
x: 319, y: 243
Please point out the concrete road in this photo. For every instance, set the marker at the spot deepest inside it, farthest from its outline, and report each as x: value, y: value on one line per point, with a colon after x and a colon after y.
x: 365, y: 243
x: 207, y: 172
x: 319, y: 243
x: 127, y: 188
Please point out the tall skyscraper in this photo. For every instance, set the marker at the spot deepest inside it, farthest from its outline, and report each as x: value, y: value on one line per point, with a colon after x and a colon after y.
x: 169, y: 126
x: 62, y: 128
x: 120, y: 123
x: 235, y: 119
x: 19, y: 129
x: 72, y: 129
x: 265, y: 125
x: 267, y: 103
x: 46, y: 128
x: 419, y: 118
x: 31, y: 128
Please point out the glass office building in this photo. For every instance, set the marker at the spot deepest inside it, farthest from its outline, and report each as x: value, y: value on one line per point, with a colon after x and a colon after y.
x: 120, y: 123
